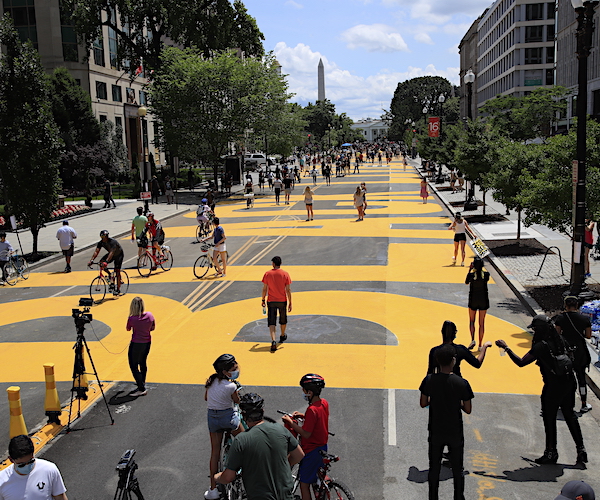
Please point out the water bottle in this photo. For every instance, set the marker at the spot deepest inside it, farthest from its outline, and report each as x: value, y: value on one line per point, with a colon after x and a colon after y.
x: 264, y: 309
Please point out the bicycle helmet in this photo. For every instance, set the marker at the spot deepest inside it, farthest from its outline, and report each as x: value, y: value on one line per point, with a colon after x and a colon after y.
x: 204, y: 200
x: 312, y: 382
x: 150, y: 214
x: 223, y: 362
x: 104, y: 232
x: 252, y: 405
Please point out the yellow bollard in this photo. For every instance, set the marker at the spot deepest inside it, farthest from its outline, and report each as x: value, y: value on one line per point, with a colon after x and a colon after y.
x: 17, y: 422
x: 52, y: 403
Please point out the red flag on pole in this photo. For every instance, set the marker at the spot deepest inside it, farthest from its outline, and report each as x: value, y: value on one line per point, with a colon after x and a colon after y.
x: 434, y: 126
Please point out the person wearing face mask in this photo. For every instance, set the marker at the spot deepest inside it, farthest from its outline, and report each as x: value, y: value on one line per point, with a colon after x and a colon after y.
x: 221, y: 393
x: 314, y: 432
x: 29, y: 477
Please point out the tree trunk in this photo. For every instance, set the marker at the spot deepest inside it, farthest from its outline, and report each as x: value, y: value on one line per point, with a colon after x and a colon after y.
x: 518, y: 226
x: 35, y: 231
x: 483, y: 196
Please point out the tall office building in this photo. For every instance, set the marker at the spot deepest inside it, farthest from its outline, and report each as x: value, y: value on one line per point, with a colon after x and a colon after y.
x: 115, y: 96
x: 515, y: 48
x: 467, y: 49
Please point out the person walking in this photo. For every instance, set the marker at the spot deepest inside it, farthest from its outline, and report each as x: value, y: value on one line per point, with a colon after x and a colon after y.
x: 447, y: 395
x: 277, y: 188
x: 169, y: 190
x: 314, y: 174
x: 359, y: 203
x: 327, y: 174
x: 287, y: 185
x: 479, y: 300
x: 249, y: 193
x: 6, y: 251
x: 588, y: 244
x: 559, y: 385
x: 142, y: 323
x: 363, y: 188
x: 277, y: 294
x: 108, y: 197
x: 138, y: 224
x: 424, y: 191
x: 220, y: 394
x: 30, y: 477
x: 460, y: 228
x: 66, y: 237
x: 575, y: 328
x: 219, y: 248
x: 308, y: 201
x: 265, y: 454
x: 155, y: 189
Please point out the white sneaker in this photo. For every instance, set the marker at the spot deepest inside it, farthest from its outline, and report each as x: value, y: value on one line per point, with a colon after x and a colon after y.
x: 586, y: 408
x: 138, y: 393
x: 212, y: 494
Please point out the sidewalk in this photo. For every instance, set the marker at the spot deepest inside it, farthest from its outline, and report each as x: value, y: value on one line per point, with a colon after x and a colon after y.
x: 520, y: 271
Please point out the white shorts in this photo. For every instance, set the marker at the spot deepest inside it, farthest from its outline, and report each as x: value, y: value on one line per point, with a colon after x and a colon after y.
x: 220, y: 248
x: 201, y: 219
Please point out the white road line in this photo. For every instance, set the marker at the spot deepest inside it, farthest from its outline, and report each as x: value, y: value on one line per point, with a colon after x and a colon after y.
x: 392, y: 417
x: 63, y: 291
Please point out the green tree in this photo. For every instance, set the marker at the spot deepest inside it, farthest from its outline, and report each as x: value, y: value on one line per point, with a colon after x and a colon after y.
x: 411, y: 96
x: 286, y: 130
x: 30, y: 143
x: 208, y: 25
x: 318, y: 117
x: 204, y: 104
x: 527, y: 117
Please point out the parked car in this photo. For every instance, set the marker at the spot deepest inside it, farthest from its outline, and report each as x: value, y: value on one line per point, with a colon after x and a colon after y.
x: 255, y: 159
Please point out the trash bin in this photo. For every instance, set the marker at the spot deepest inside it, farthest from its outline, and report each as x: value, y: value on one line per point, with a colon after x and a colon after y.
x: 61, y: 200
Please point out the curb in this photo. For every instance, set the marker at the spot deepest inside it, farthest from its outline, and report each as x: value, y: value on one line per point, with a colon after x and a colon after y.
x: 59, y: 256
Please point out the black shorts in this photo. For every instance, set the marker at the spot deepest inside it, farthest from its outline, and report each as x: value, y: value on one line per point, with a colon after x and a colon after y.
x: 479, y: 303
x: 588, y: 245
x: 117, y: 260
x: 160, y: 240
x: 69, y: 252
x: 272, y: 308
x: 460, y: 237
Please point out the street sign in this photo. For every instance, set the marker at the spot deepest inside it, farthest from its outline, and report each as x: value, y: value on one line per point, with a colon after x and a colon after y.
x: 145, y: 195
x: 434, y: 126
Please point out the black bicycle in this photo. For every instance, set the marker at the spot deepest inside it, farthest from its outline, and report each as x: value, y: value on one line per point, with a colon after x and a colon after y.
x: 106, y: 283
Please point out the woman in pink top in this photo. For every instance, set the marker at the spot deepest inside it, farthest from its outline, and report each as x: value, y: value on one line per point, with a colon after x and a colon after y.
x: 142, y: 324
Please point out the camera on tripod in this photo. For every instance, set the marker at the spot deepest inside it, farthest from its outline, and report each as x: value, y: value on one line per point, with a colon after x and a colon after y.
x: 128, y: 483
x: 83, y: 317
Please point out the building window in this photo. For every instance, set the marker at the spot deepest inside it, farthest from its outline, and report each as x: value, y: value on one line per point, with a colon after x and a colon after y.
x: 142, y: 98
x: 549, y: 77
x: 23, y: 16
x: 119, y: 126
x: 551, y: 12
x: 533, y: 78
x: 69, y: 38
x: 103, y: 118
x: 533, y: 34
x: 130, y: 96
x: 101, y: 90
x: 534, y: 11
x: 112, y: 42
x: 596, y: 103
x: 116, y: 93
x: 549, y: 55
x: 99, y: 52
x: 550, y: 30
x: 533, y: 56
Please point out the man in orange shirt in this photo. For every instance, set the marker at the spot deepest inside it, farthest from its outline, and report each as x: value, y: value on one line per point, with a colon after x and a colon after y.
x: 276, y: 285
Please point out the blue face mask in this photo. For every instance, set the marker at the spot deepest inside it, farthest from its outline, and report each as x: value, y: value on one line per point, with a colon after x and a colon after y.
x: 306, y: 397
x: 234, y: 375
x: 26, y: 469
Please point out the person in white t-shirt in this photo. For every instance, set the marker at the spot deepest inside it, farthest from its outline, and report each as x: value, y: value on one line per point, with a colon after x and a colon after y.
x: 29, y: 477
x: 221, y: 394
x: 66, y: 236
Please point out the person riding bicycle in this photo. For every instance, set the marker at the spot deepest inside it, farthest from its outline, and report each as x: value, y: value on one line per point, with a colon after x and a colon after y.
x: 265, y: 454
x: 6, y: 250
x: 314, y: 433
x: 115, y: 254
x: 221, y: 392
x: 157, y: 235
x: 204, y: 214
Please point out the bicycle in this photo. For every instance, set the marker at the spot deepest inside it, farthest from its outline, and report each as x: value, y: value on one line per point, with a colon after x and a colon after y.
x: 16, y: 268
x: 101, y: 283
x: 326, y: 487
x: 205, y: 262
x: 147, y: 262
x: 202, y: 231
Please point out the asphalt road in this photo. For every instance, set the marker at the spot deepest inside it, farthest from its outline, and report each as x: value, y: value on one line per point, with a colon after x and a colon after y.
x: 369, y: 301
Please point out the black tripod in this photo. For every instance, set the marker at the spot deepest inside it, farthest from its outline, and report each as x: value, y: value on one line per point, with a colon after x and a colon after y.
x: 127, y: 481
x: 79, y: 388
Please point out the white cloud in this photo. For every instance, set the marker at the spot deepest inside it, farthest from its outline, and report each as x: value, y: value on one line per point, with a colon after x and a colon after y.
x: 438, y: 11
x: 358, y: 97
x: 293, y: 4
x: 454, y: 49
x: 423, y: 38
x: 374, y: 38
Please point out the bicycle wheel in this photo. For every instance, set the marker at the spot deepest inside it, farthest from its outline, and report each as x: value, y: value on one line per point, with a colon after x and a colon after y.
x: 144, y: 265
x: 22, y: 263
x: 336, y: 490
x: 168, y: 262
x: 124, y: 282
x: 199, y: 233
x: 201, y: 266
x: 98, y: 289
x: 11, y: 273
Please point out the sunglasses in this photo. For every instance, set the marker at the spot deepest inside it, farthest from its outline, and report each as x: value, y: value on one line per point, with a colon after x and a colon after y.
x: 25, y: 464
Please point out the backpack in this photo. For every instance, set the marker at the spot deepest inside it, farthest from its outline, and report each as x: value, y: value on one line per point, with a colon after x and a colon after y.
x: 561, y: 358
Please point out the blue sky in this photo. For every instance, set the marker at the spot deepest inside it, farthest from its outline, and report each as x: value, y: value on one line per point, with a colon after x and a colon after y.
x: 367, y: 46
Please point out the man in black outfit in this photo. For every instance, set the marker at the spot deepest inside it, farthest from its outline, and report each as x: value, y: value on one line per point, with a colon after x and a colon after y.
x: 447, y: 395
x: 462, y: 353
x: 115, y: 254
x: 575, y: 328
x: 559, y: 389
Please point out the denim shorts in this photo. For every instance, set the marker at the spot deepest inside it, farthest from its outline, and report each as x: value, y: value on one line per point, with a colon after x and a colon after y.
x: 222, y: 420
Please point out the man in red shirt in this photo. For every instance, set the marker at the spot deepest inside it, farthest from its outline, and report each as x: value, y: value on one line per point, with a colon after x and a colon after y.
x: 276, y: 284
x: 314, y: 433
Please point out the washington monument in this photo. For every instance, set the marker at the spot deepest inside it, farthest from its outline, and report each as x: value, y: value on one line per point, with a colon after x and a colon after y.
x: 321, y: 78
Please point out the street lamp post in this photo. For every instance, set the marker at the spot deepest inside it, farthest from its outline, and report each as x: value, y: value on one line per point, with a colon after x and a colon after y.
x: 585, y: 28
x: 469, y: 78
x: 144, y: 177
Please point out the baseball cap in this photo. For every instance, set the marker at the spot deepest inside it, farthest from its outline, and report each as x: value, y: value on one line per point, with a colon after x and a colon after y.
x: 576, y: 490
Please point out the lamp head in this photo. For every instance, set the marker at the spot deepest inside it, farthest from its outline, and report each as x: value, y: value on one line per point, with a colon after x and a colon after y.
x: 142, y: 110
x: 469, y: 77
x: 441, y: 99
x: 577, y: 4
